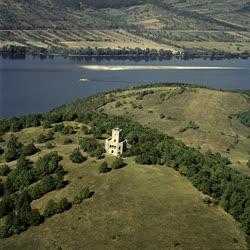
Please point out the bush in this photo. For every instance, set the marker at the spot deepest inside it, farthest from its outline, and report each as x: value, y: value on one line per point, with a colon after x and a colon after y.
x: 64, y: 205
x: 56, y: 208
x: 46, y: 124
x: 4, y: 169
x: 67, y: 141
x: 49, y: 145
x: 118, y: 163
x: 162, y: 116
x: 104, y: 167
x: 92, y: 146
x: 29, y: 149
x: 1, y: 188
x: 13, y: 149
x: 84, y: 194
x: 6, y: 206
x: 51, y: 208
x: 86, y: 130
x: 42, y: 138
x: 76, y: 156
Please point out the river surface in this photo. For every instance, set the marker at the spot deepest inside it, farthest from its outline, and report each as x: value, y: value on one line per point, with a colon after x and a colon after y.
x: 33, y: 85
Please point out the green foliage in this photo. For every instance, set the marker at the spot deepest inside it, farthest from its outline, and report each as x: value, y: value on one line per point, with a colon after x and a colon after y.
x: 76, y: 156
x: 13, y: 149
x: 56, y: 208
x: 45, y: 185
x: 244, y: 118
x: 84, y: 194
x: 46, y: 124
x: 29, y: 149
x: 162, y: 116
x: 92, y: 146
x: 16, y: 124
x: 65, y: 130
x: 67, y: 141
x: 4, y: 169
x: 42, y: 138
x: 104, y: 167
x: 6, y: 206
x: 207, y: 171
x: 49, y: 145
x: 86, y: 130
x: 118, y: 163
x: 1, y: 188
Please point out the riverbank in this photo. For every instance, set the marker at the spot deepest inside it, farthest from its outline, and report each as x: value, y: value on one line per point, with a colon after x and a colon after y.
x: 17, y: 52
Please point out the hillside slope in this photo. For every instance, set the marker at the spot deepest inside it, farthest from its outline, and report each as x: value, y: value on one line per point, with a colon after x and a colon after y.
x: 172, y: 109
x: 172, y: 22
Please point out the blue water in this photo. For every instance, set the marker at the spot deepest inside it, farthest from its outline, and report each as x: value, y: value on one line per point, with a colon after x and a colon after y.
x: 34, y: 85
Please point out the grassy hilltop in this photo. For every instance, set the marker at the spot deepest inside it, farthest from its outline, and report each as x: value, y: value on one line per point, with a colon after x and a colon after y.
x: 201, y: 118
x: 149, y: 206
x: 173, y: 25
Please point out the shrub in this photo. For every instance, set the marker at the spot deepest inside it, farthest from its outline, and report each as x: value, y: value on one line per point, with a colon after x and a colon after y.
x: 76, y: 156
x: 6, y: 206
x: 58, y: 127
x: 29, y: 149
x: 49, y: 145
x: 162, y: 116
x: 86, y: 130
x: 84, y: 194
x: 67, y: 141
x: 104, y: 167
x: 4, y: 169
x: 42, y: 138
x: 1, y: 188
x: 64, y: 205
x: 13, y: 149
x: 56, y: 208
x: 51, y: 208
x: 118, y: 163
x: 118, y: 104
x: 92, y: 146
x: 46, y: 124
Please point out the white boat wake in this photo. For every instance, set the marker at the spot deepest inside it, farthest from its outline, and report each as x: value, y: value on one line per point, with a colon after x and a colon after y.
x: 84, y: 80
x: 153, y: 67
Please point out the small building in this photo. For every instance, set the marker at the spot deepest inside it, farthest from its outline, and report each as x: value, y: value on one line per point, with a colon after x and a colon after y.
x: 116, y: 145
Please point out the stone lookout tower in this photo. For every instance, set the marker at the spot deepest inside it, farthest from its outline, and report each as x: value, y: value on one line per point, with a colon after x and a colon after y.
x: 115, y: 145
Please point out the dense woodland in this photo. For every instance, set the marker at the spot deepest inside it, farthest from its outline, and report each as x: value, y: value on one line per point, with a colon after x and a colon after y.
x: 15, y: 52
x: 209, y: 172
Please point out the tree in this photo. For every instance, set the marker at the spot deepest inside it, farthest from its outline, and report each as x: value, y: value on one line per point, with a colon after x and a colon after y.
x: 6, y: 206
x: 248, y: 163
x: 51, y: 209
x: 4, y: 169
x: 64, y: 205
x: 104, y: 167
x: 13, y: 149
x: 118, y: 163
x: 1, y: 151
x: 1, y: 188
x: 76, y: 156
x: 29, y: 149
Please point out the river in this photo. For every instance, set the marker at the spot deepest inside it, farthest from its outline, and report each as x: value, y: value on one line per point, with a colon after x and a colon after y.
x: 33, y: 85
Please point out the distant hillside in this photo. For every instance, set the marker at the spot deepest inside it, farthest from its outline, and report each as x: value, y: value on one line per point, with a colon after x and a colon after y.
x: 183, y: 24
